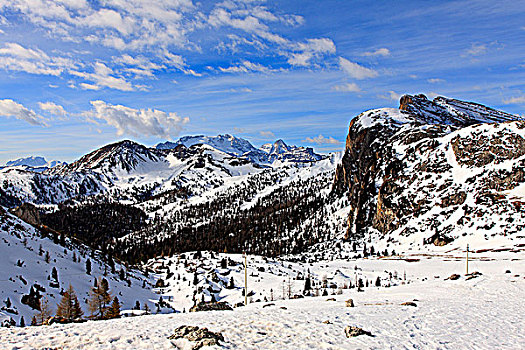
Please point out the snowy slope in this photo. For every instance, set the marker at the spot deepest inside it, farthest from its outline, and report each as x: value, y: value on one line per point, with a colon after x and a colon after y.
x: 481, y: 313
x: 23, y: 267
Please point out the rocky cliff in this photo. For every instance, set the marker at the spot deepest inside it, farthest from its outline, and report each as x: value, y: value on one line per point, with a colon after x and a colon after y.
x: 434, y: 172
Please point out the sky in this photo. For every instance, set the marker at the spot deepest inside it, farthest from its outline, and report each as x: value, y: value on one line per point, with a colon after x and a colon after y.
x: 79, y: 74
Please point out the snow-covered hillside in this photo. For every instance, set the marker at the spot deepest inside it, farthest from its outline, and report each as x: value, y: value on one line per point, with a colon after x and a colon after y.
x: 484, y: 312
x: 28, y: 257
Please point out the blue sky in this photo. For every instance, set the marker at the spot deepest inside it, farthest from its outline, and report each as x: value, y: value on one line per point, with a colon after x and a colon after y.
x: 77, y: 74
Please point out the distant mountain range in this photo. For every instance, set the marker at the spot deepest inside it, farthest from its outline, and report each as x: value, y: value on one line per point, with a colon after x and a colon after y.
x: 267, y: 154
x: 34, y: 163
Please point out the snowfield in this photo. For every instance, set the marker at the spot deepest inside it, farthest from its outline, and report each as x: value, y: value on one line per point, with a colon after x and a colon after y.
x: 481, y: 313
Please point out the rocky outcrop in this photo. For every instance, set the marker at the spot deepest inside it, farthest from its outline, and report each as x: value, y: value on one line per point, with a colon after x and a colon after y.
x: 201, y: 336
x: 211, y: 306
x: 437, y: 167
x: 28, y: 213
x: 352, y: 331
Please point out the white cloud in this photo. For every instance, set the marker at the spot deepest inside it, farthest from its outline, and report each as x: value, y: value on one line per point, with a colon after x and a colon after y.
x: 10, y: 108
x: 320, y: 140
x: 476, y: 50
x: 240, y: 130
x: 15, y: 57
x: 52, y: 108
x: 347, y: 87
x: 106, y: 18
x: 435, y: 80
x: 246, y: 67
x: 355, y: 70
x: 312, y: 48
x: 138, y: 122
x: 103, y: 76
x: 392, y: 95
x: 515, y: 100
x: 159, y: 31
x: 379, y: 52
x: 267, y: 134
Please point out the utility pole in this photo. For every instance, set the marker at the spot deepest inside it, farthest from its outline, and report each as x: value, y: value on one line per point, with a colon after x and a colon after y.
x: 245, y: 279
x: 467, y: 259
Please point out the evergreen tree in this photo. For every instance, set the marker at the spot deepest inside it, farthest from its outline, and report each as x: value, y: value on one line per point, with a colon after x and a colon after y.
x: 54, y: 274
x: 195, y: 279
x: 99, y: 299
x: 45, y: 312
x: 22, y: 322
x: 88, y: 267
x: 114, y: 310
x: 307, y: 284
x: 69, y: 307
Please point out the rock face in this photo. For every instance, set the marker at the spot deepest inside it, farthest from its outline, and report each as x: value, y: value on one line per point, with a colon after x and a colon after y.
x: 28, y: 212
x: 435, y: 170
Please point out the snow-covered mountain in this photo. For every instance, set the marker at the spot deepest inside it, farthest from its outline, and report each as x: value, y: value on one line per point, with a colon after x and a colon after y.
x: 267, y: 154
x: 226, y: 143
x: 435, y: 172
x: 34, y: 163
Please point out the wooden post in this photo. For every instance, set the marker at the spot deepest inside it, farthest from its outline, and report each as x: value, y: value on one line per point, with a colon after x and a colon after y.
x: 467, y: 259
x: 245, y: 279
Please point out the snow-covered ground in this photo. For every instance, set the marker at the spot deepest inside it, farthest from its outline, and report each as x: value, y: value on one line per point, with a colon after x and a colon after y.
x: 481, y: 313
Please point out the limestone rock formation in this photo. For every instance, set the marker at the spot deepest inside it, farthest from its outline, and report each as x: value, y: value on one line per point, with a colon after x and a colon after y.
x: 432, y: 171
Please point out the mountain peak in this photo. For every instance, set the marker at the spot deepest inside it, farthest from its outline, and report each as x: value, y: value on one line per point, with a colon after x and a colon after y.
x: 226, y: 143
x: 443, y: 110
x: 32, y: 161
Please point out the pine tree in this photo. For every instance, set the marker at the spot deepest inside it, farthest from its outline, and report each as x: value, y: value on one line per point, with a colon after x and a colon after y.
x: 114, y: 310
x: 69, y: 307
x: 45, y: 312
x: 88, y: 267
x: 99, y: 299
x: 54, y: 274
x: 195, y: 279
x: 22, y: 322
x: 307, y: 284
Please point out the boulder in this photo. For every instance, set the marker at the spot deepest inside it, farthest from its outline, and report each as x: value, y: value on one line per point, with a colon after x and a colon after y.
x: 349, y: 303
x: 201, y: 336
x: 211, y: 306
x: 56, y: 319
x: 409, y: 303
x: 453, y: 277
x: 352, y: 331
